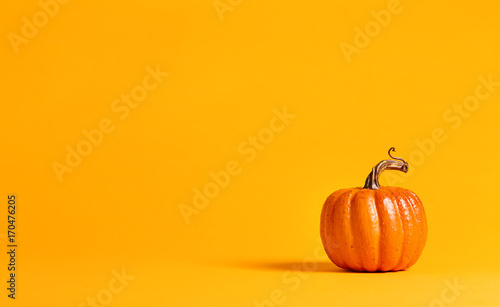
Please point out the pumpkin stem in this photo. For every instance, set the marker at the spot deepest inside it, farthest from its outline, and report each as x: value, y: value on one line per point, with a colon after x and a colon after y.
x: 372, y: 179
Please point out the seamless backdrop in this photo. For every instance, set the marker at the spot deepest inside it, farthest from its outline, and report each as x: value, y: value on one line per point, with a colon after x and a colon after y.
x: 178, y: 153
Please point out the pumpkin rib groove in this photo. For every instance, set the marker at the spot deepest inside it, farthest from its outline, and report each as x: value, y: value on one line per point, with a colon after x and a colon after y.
x: 412, y: 199
x: 360, y: 220
x: 411, y: 236
x: 422, y: 216
x: 376, y: 203
x: 351, y: 254
x: 328, y: 210
x: 376, y: 239
x: 347, y: 228
x: 337, y: 204
x: 398, y: 206
x: 396, y: 237
x: 357, y: 263
x: 365, y: 228
x: 411, y: 208
x: 413, y: 230
x: 330, y: 217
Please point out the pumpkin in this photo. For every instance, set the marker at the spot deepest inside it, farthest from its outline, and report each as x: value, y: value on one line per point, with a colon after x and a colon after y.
x: 374, y: 228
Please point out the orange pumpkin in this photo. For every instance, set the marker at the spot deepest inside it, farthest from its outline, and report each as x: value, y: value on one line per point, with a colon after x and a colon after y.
x: 374, y: 228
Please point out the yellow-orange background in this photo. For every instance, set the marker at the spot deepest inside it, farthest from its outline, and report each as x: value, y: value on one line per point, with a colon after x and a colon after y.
x: 120, y: 207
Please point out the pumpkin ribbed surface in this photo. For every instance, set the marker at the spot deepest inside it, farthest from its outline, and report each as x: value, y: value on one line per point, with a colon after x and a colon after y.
x: 373, y: 230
